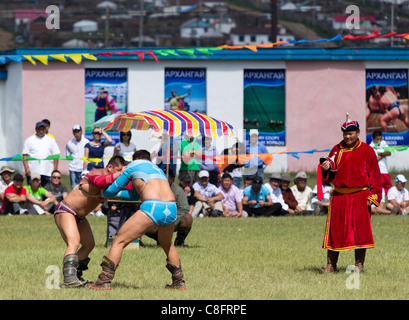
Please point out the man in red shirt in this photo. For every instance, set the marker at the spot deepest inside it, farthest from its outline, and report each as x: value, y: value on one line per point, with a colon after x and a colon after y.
x: 14, y: 197
x: 352, y: 167
x: 70, y: 218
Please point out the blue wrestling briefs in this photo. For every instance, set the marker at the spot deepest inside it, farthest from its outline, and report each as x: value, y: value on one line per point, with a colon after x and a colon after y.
x: 162, y: 213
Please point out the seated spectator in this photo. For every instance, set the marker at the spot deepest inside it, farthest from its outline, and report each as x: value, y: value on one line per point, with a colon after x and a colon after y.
x: 302, y: 192
x: 35, y: 194
x: 14, y: 197
x: 275, y: 192
x: 233, y: 162
x: 5, y: 181
x: 320, y: 207
x: 185, y: 184
x: 288, y: 196
x: 233, y: 198
x: 398, y: 196
x: 248, y: 181
x: 257, y: 200
x: 55, y: 186
x: 209, y: 198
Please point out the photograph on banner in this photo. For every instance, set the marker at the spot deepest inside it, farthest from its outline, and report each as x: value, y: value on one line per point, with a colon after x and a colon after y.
x: 264, y: 104
x: 106, y: 94
x: 185, y: 89
x: 387, y: 105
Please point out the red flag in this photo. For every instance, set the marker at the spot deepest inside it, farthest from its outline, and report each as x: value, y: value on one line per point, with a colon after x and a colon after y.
x: 320, y: 193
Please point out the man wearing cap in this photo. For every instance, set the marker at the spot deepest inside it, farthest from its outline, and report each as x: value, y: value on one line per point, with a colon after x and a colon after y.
x: 255, y: 166
x: 5, y: 181
x: 275, y: 192
x: 257, y: 200
x: 40, y: 146
x: 398, y: 196
x: 288, y: 195
x: 352, y: 167
x: 209, y: 198
x: 14, y: 197
x: 75, y: 148
x: 302, y: 192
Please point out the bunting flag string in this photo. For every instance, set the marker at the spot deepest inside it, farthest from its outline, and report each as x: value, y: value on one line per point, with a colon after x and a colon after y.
x: 191, y: 52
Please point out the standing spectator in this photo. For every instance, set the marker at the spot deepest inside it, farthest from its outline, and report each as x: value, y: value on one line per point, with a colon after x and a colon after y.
x: 35, y: 195
x: 233, y: 162
x: 255, y: 166
x: 5, y: 181
x: 125, y: 147
x: 275, y: 192
x: 14, y: 197
x: 208, y: 163
x: 168, y: 150
x: 47, y: 128
x: 288, y: 195
x: 302, y: 192
x: 353, y: 170
x: 190, y: 151
x: 40, y: 145
x: 398, y: 196
x: 320, y: 207
x: 75, y: 148
x: 95, y: 149
x: 233, y: 198
x: 209, y: 198
x: 186, y: 185
x: 58, y: 190
x: 257, y: 200
x: 379, y: 145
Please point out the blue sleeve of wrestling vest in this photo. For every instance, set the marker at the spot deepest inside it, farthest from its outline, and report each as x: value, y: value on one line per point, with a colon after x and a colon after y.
x: 120, y: 183
x: 130, y: 195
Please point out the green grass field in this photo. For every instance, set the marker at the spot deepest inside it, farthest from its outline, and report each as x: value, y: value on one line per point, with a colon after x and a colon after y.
x: 227, y: 259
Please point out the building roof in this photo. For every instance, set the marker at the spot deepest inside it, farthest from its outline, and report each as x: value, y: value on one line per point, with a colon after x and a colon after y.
x: 28, y: 13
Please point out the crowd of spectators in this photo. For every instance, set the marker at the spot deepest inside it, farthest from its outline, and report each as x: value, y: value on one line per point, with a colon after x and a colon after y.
x: 234, y: 187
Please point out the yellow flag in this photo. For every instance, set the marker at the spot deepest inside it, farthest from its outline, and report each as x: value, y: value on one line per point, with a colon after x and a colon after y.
x: 42, y: 58
x: 30, y: 59
x: 60, y: 57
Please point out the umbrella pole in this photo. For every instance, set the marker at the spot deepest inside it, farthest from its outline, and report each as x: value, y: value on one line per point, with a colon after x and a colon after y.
x: 168, y: 158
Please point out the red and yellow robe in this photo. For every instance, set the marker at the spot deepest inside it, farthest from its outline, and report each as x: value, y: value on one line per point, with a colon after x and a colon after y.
x: 356, y: 180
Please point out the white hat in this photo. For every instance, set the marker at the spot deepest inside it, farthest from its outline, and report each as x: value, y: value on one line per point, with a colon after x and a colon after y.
x: 76, y: 127
x: 301, y: 175
x: 401, y: 178
x: 253, y: 131
x: 203, y: 174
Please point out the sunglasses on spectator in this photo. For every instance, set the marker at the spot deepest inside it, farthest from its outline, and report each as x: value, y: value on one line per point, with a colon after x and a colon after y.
x: 99, y: 133
x: 55, y: 177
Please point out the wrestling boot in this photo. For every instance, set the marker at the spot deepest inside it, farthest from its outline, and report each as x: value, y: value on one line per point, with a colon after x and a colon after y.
x: 106, y: 276
x: 332, y: 259
x: 178, y: 282
x: 360, y: 259
x: 82, y: 266
x: 70, y: 266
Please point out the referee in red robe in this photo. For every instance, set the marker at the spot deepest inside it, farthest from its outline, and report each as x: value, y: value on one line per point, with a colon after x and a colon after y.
x: 352, y: 167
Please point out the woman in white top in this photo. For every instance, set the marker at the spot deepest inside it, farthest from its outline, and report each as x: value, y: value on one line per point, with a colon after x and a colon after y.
x: 125, y: 148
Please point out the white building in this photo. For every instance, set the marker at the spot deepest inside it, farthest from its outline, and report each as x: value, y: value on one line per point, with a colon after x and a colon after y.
x: 85, y: 26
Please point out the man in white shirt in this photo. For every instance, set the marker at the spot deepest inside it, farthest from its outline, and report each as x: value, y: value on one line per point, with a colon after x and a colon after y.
x: 398, y: 196
x: 379, y: 146
x: 275, y: 191
x: 40, y: 146
x: 75, y: 148
x: 302, y: 192
x: 209, y: 198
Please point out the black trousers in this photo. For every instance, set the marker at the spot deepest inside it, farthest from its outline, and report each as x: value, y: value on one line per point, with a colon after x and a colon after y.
x: 266, y: 211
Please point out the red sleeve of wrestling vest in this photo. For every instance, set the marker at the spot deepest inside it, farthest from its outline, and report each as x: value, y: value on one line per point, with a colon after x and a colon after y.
x: 129, y: 186
x: 101, y: 182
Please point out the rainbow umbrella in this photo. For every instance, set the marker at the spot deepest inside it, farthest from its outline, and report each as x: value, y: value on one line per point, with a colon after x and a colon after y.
x: 174, y: 123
